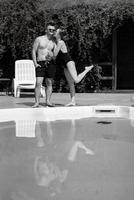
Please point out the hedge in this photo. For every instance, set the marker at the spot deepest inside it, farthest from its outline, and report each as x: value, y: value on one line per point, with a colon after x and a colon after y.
x: 89, y: 32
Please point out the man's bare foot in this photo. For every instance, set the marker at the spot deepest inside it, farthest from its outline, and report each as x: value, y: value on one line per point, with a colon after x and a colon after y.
x: 71, y: 104
x: 50, y: 104
x: 88, y: 68
x: 44, y: 104
x: 36, y: 105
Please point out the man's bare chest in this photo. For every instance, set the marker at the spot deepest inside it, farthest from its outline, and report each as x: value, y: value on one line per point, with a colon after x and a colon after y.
x: 46, y: 44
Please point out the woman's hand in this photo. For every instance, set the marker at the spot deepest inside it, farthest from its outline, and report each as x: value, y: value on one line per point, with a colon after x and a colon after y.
x: 60, y: 43
x: 58, y: 47
x: 49, y: 56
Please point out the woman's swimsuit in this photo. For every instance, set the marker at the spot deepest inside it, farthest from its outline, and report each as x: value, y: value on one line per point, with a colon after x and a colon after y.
x: 63, y: 58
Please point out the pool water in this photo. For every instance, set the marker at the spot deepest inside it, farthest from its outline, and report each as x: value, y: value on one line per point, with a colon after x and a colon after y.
x: 73, y: 159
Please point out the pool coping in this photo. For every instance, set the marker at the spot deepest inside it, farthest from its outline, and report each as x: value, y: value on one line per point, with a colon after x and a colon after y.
x: 66, y: 113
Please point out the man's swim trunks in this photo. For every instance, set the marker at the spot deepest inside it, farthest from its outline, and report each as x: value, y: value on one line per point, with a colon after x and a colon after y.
x: 47, y: 69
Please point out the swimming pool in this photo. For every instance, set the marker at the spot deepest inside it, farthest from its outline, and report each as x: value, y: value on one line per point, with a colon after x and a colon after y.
x: 67, y: 153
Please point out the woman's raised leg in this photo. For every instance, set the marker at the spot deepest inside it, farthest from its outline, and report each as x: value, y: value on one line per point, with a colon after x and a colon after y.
x: 72, y: 69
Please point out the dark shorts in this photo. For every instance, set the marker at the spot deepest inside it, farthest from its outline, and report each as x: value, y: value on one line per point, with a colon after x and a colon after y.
x: 46, y: 70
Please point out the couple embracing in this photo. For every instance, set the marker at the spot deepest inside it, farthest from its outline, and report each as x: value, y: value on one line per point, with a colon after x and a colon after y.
x: 48, y: 51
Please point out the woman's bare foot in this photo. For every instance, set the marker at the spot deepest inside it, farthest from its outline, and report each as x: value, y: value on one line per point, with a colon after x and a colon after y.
x: 88, y: 68
x: 72, y: 103
x: 36, y: 105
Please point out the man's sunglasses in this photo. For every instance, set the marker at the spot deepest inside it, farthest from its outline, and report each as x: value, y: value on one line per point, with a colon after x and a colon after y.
x: 51, y: 30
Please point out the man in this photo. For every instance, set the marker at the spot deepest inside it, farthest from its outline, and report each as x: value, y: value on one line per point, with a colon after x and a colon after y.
x: 42, y: 55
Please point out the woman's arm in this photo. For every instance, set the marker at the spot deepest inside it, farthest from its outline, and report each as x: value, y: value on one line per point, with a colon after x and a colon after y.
x: 58, y: 47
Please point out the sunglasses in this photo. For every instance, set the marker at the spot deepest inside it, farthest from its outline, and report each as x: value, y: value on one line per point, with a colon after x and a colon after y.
x: 51, y: 30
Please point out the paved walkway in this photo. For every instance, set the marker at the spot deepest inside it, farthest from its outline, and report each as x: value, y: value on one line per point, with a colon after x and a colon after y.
x: 60, y: 99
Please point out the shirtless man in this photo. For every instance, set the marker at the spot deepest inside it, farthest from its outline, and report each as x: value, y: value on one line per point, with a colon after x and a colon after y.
x: 42, y: 55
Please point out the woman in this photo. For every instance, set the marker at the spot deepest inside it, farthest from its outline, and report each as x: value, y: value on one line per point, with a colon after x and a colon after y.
x: 63, y: 58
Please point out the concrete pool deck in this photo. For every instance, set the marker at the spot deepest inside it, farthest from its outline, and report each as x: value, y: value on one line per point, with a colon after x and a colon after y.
x: 60, y: 99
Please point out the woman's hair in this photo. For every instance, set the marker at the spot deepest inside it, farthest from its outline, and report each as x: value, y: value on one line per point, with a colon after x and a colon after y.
x: 62, y: 33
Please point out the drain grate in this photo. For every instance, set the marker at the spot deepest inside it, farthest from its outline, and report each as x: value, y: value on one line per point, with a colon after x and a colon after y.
x: 104, y: 111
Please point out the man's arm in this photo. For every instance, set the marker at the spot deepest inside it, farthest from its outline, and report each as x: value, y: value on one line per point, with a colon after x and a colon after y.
x: 34, y: 51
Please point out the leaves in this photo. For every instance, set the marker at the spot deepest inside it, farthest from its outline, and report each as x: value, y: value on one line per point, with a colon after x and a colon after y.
x: 89, y: 28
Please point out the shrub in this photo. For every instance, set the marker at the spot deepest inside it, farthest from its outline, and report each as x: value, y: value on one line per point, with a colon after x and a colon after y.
x: 89, y: 30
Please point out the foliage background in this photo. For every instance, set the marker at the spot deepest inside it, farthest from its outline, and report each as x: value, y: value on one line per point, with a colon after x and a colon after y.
x: 89, y: 28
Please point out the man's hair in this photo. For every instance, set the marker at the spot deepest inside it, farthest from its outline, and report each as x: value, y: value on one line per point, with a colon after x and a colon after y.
x: 50, y: 23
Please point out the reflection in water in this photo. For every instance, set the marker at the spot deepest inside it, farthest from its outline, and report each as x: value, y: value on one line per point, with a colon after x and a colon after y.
x: 32, y: 129
x: 132, y: 122
x: 47, y: 167
x: 47, y: 171
x: 40, y: 142
x: 74, y: 150
x: 20, y: 195
x: 25, y: 128
x: 40, y: 158
x: 76, y: 145
x: 55, y: 162
x: 43, y: 129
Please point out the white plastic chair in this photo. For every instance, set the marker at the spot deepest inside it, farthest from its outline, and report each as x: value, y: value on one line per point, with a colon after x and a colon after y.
x: 25, y: 77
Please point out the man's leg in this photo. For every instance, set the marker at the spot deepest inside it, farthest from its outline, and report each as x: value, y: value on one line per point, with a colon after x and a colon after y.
x: 39, y: 81
x: 49, y: 89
